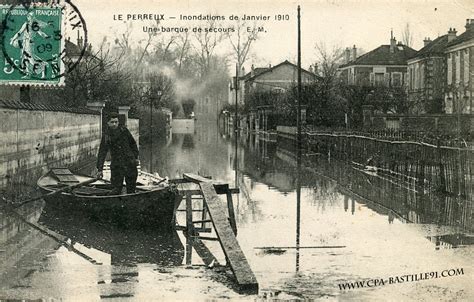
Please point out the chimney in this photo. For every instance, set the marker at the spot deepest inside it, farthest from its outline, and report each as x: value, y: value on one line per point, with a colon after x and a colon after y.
x: 316, y: 67
x: 347, y: 54
x: 393, y: 42
x: 354, y: 53
x: 252, y: 71
x: 451, y: 34
x: 269, y: 65
x: 426, y: 41
x: 469, y: 24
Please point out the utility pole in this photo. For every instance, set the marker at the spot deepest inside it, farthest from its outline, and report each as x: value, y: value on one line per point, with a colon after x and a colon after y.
x: 298, y: 151
x: 236, y: 130
x: 151, y: 133
x: 236, y: 86
x: 298, y: 114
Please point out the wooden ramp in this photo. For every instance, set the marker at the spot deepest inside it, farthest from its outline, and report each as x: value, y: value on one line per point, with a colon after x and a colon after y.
x: 225, y: 232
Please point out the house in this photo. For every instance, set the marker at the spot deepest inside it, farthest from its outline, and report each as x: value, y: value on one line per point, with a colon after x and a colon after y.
x: 241, y: 83
x: 460, y: 70
x: 427, y: 75
x: 280, y: 77
x: 386, y: 65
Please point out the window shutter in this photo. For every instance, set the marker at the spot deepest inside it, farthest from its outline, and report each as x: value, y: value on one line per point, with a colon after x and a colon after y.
x: 372, y: 79
x: 386, y: 79
x: 450, y: 70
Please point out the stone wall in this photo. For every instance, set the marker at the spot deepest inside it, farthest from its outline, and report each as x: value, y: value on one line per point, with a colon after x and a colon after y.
x: 34, y: 140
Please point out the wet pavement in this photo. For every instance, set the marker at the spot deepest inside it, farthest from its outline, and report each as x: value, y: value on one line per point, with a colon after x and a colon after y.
x: 305, y: 232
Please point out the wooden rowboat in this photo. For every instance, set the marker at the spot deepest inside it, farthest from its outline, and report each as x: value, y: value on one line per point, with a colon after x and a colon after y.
x: 152, y: 206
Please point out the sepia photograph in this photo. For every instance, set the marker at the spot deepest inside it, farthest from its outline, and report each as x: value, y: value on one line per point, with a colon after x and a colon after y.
x: 265, y: 150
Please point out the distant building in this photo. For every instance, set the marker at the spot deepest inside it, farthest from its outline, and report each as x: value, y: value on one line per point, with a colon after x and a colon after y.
x: 241, y: 83
x: 277, y: 78
x: 460, y: 72
x: 427, y: 75
x: 386, y: 65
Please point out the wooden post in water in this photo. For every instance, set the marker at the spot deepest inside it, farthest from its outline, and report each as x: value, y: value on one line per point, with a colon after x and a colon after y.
x: 230, y: 210
x: 189, y: 228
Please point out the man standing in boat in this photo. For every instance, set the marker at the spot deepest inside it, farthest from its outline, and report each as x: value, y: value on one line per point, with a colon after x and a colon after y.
x: 124, y: 156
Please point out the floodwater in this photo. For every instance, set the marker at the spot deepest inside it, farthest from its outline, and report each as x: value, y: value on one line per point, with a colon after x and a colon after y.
x: 306, y: 231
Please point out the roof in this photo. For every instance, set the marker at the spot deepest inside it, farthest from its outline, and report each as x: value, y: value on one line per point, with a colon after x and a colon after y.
x: 265, y: 70
x: 465, y: 36
x: 256, y: 71
x: 72, y: 50
x: 382, y: 56
x: 32, y: 106
x: 435, y: 47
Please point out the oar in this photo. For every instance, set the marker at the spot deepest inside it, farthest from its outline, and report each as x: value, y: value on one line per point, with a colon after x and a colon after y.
x: 65, y: 189
x: 63, y: 240
x: 59, y: 238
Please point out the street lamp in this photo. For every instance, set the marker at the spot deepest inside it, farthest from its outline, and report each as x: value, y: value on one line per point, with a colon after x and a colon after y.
x: 152, y: 99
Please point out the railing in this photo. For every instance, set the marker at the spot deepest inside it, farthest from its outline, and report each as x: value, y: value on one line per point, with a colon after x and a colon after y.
x: 431, y: 138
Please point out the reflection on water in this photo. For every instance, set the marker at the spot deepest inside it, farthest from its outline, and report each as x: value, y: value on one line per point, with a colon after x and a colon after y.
x: 291, y: 216
x: 124, y: 246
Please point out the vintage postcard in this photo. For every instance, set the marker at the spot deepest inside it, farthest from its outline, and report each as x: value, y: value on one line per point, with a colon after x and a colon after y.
x: 236, y: 150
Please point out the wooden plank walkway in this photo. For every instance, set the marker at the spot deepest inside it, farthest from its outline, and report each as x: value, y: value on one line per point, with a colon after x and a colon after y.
x: 245, y: 278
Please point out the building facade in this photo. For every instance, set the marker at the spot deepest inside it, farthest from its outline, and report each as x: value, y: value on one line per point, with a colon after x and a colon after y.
x: 384, y: 66
x: 427, y: 76
x: 280, y: 77
x: 460, y: 72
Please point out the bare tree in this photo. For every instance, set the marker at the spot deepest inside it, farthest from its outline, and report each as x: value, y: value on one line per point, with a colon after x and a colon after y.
x: 329, y: 60
x: 148, y: 41
x: 205, y: 45
x: 184, y: 47
x: 407, y: 36
x: 123, y: 40
x: 241, y: 41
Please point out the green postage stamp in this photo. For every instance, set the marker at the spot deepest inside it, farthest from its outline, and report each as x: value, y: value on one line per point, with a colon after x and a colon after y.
x: 32, y: 45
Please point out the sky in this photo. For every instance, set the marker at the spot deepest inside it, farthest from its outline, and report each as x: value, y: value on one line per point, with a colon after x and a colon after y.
x: 364, y: 23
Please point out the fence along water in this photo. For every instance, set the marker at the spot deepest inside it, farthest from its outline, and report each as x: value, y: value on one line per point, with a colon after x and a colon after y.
x: 437, y: 168
x: 443, y: 171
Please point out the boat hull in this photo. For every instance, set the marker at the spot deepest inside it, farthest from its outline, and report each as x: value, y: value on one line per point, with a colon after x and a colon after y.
x: 151, y: 209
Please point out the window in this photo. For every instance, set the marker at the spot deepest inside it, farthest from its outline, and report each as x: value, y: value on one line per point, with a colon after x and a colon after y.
x: 396, y: 79
x: 466, y: 69
x: 379, y: 79
x: 450, y: 70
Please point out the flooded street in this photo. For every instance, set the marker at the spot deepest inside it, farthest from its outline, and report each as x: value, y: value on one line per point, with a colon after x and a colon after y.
x: 306, y: 232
